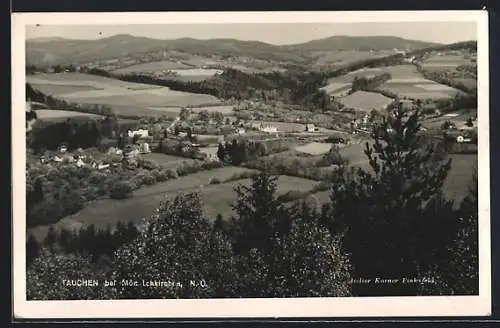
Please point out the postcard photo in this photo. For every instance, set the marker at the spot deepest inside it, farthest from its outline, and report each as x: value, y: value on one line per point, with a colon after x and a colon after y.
x: 260, y: 164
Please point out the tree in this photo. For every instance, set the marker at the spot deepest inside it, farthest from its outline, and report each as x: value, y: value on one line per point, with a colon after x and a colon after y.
x: 48, y: 276
x: 384, y: 215
x: 204, y: 115
x: 260, y: 215
x: 51, y: 238
x: 282, y: 253
x: 135, y: 138
x: 184, y: 114
x: 32, y: 249
x: 177, y: 245
x: 221, y: 152
x: 218, y: 117
x: 462, y: 274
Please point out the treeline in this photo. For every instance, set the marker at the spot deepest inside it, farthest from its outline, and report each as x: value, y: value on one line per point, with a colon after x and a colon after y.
x: 60, y: 104
x: 89, y: 241
x: 464, y: 45
x: 313, y: 168
x: 238, y: 151
x: 444, y: 78
x: 76, y: 133
x: 369, y: 84
x: 389, y: 221
x: 33, y: 69
x: 292, y: 86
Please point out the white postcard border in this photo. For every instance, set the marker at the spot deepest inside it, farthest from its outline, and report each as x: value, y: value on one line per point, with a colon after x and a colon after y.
x: 240, y: 308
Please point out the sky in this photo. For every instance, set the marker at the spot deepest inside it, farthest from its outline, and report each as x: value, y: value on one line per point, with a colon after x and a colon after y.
x: 278, y: 33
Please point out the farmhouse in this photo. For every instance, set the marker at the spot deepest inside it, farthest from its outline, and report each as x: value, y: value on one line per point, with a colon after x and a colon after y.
x: 311, y: 128
x: 141, y: 133
x: 265, y: 127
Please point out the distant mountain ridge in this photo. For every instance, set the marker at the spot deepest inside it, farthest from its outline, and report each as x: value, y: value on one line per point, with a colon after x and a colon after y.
x: 66, y: 51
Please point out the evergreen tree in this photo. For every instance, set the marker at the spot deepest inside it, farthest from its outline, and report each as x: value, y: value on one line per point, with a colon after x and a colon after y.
x: 45, y: 278
x: 383, y: 214
x: 32, y: 249
x: 221, y: 152
x: 51, y: 238
x: 261, y: 216
x: 462, y: 274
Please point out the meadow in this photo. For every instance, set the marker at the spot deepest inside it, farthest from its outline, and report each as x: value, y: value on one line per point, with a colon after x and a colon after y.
x: 338, y: 86
x: 168, y: 161
x: 222, y: 109
x: 53, y: 114
x: 217, y: 198
x: 366, y: 101
x: 448, y: 61
x: 344, y: 57
x: 151, y: 67
x: 420, y: 90
x: 123, y: 97
x: 314, y: 148
x: 455, y: 186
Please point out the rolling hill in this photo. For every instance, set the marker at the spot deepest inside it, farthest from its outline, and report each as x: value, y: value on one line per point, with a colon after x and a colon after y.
x: 64, y: 51
x: 360, y: 43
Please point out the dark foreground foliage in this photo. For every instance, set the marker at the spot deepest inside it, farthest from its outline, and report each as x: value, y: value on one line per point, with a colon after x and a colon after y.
x: 391, y: 222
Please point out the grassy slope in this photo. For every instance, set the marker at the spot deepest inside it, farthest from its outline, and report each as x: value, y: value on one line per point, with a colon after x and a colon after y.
x: 216, y: 198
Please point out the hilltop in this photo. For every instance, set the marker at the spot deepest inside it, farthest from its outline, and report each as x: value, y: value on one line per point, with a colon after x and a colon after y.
x: 361, y: 43
x: 64, y: 51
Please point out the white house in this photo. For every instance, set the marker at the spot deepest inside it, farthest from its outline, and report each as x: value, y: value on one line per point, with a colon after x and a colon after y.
x: 266, y: 127
x: 311, y: 128
x: 141, y: 133
x: 80, y: 163
x: 102, y: 166
x: 144, y: 149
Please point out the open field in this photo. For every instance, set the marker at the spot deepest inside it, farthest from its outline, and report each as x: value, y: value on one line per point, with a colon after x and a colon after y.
x: 448, y: 61
x: 151, y: 67
x: 419, y: 90
x: 339, y: 85
x: 216, y: 199
x: 336, y: 88
x: 196, y: 72
x: 344, y: 57
x: 223, y: 109
x: 459, y: 118
x: 366, y: 101
x: 119, y: 95
x: 468, y: 82
x: 455, y: 186
x: 167, y: 161
x: 53, y: 114
x: 314, y: 148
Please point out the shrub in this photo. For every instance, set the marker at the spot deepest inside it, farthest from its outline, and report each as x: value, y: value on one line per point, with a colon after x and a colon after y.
x: 148, y: 164
x: 160, y: 175
x: 121, y: 190
x: 149, y: 180
x: 214, y: 181
x: 171, y: 174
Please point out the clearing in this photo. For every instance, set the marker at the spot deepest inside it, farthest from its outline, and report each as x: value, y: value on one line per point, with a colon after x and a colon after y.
x: 217, y: 198
x: 366, y: 101
x: 314, y: 148
x: 51, y: 114
x: 419, y: 90
x: 123, y: 97
x: 151, y: 67
x: 222, y: 109
x: 168, y: 161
